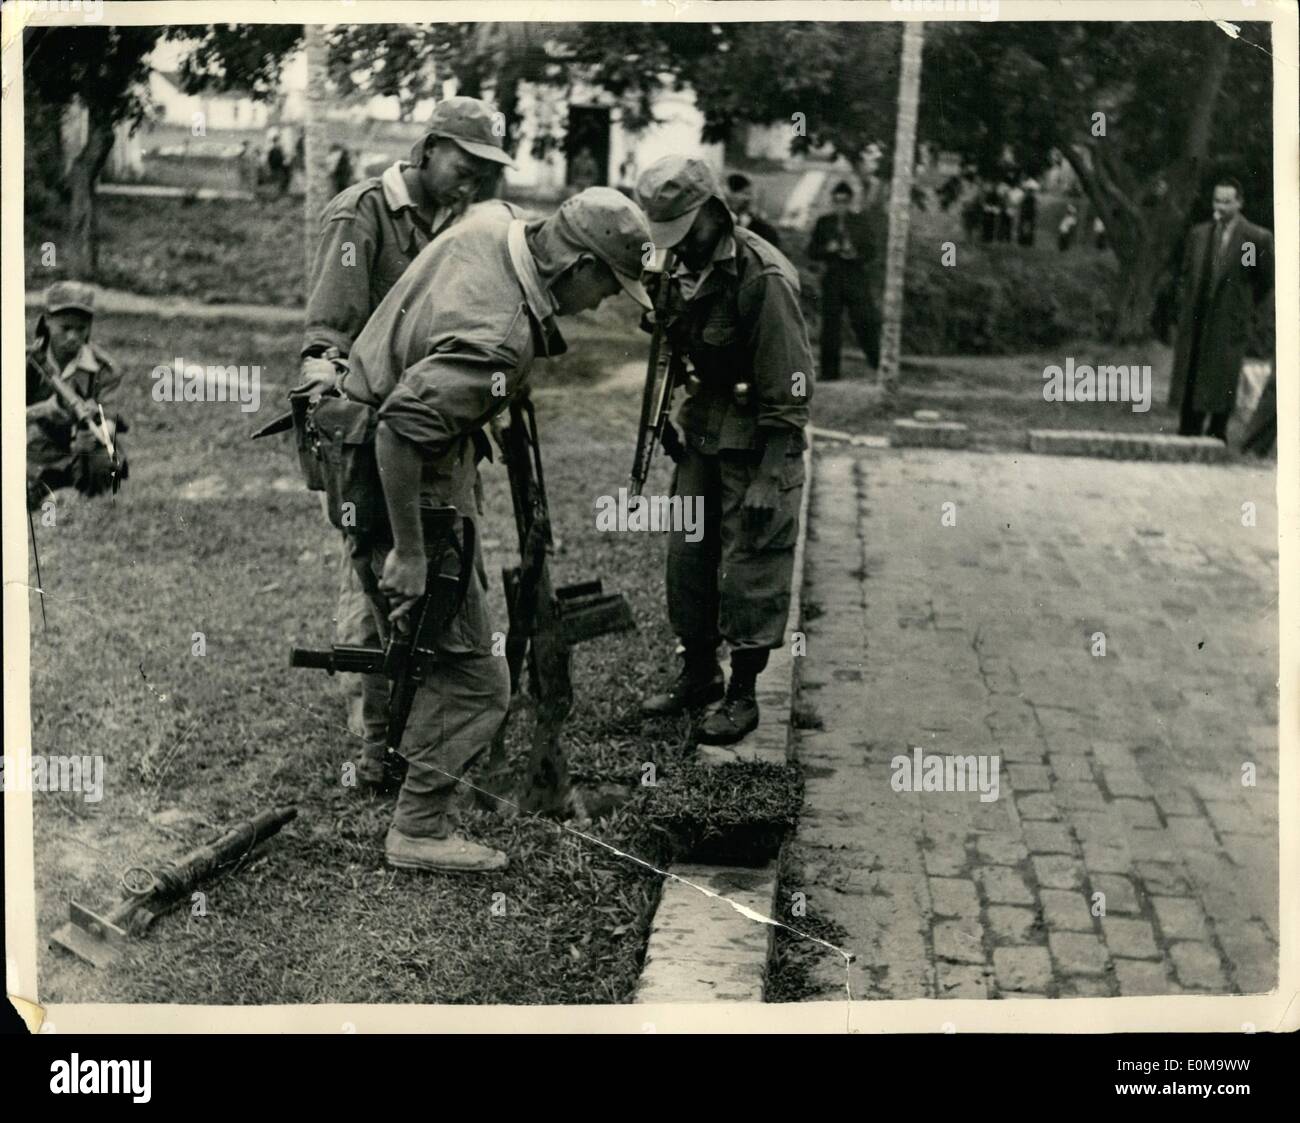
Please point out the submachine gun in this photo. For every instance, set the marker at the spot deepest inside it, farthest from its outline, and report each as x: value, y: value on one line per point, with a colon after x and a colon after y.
x: 545, y: 622
x: 408, y: 649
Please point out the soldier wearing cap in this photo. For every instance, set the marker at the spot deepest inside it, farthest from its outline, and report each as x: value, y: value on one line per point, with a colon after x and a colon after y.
x: 742, y: 424
x: 61, y: 450
x: 370, y: 233
x: 440, y: 358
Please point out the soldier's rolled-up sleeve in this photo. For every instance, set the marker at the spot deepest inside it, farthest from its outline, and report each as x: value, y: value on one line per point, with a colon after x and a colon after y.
x: 448, y: 395
x: 338, y: 300
x: 782, y: 357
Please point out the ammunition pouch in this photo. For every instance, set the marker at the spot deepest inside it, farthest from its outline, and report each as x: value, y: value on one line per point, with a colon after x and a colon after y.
x: 340, y: 435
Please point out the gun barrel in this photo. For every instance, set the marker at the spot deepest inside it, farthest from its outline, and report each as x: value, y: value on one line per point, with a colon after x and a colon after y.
x: 343, y: 658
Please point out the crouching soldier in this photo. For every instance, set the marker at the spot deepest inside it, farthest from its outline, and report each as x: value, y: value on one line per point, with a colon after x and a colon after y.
x: 369, y: 234
x: 741, y: 447
x: 71, y: 440
x: 440, y: 358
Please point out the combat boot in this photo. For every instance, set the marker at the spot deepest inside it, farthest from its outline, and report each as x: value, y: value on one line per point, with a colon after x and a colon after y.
x: 699, y: 683
x: 732, y: 721
x: 452, y: 854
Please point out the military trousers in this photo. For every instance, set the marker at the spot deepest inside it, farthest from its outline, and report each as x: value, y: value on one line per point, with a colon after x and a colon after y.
x: 734, y: 582
x: 847, y: 290
x: 456, y: 713
x: 354, y: 623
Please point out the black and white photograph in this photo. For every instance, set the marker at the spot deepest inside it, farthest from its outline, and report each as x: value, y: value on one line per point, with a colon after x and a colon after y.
x: 617, y: 507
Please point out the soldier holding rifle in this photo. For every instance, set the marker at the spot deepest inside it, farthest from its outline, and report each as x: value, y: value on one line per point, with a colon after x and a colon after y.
x: 444, y: 353
x: 738, y: 324
x: 71, y: 441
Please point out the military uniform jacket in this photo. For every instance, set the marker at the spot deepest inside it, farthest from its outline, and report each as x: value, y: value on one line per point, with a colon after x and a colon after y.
x: 92, y: 376
x: 743, y: 324
x: 452, y: 342
x: 369, y: 235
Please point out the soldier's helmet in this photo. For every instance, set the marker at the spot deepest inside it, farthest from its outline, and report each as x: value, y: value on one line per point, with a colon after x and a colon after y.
x: 672, y: 191
x: 63, y: 296
x: 612, y: 227
x: 473, y: 124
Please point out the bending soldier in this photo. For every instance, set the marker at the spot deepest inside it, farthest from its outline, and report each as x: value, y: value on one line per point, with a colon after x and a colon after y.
x: 742, y: 421
x: 444, y: 352
x: 369, y: 234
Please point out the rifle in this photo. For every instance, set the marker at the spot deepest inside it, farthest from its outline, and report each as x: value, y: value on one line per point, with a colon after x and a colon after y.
x: 663, y: 372
x: 407, y: 652
x: 150, y: 894
x: 90, y: 414
x: 545, y: 622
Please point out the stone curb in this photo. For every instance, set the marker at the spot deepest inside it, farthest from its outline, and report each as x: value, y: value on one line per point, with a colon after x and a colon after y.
x: 1127, y: 446
x: 702, y: 948
x: 908, y: 433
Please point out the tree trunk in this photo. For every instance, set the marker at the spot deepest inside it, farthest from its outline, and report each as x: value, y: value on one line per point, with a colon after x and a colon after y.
x: 900, y: 203
x: 1144, y: 238
x: 316, y: 173
x: 82, y: 252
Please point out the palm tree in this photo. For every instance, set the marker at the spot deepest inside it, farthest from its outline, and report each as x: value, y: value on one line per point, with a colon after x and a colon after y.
x: 900, y: 201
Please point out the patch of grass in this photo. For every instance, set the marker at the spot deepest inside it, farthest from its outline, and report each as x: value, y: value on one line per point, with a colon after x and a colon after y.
x: 800, y: 946
x: 214, y: 534
x: 213, y: 251
x: 731, y: 814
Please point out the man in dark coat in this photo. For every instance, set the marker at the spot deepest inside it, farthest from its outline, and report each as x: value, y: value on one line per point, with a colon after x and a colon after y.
x: 740, y: 200
x: 1227, y: 270
x: 848, y: 245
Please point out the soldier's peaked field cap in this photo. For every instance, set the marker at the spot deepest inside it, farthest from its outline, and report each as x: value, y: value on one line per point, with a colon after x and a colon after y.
x: 63, y: 296
x: 672, y: 191
x: 471, y: 123
x: 612, y: 227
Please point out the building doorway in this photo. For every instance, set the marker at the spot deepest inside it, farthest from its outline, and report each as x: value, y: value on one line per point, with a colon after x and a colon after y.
x: 586, y: 147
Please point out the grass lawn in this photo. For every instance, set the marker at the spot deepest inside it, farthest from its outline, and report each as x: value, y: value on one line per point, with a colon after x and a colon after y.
x: 213, y: 533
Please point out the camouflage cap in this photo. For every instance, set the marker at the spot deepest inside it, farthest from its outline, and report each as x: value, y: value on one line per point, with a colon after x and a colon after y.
x: 471, y: 123
x: 69, y: 295
x: 612, y: 227
x: 672, y: 191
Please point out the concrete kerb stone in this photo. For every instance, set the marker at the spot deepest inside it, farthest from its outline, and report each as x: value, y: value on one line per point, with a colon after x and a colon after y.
x: 703, y: 948
x: 910, y: 433
x: 1127, y: 446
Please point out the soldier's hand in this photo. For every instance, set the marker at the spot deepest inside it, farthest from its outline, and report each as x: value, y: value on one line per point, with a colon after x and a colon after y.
x: 402, y: 581
x: 672, y: 443
x: 761, y: 499
x: 318, y: 376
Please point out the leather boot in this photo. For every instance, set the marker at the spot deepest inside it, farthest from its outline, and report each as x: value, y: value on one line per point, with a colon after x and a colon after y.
x: 732, y: 721
x: 698, y: 683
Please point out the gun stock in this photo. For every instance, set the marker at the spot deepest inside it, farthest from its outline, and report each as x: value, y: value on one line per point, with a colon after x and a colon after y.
x: 545, y: 621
